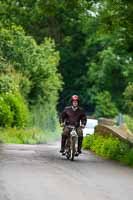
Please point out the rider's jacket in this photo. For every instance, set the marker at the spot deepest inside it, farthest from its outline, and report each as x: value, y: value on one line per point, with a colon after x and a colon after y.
x: 73, y: 117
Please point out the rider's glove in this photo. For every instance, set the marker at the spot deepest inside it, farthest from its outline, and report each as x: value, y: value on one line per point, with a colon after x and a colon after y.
x: 62, y: 124
x: 82, y: 126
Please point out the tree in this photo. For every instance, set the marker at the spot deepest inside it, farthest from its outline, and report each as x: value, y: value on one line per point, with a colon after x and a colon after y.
x: 13, y: 109
x: 94, y: 39
x: 128, y: 97
x: 104, y: 105
x: 39, y: 80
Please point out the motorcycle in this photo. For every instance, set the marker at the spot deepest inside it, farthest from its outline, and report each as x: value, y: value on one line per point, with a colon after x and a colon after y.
x: 71, y: 144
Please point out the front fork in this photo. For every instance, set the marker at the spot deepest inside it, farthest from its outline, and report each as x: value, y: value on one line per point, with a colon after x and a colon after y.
x: 71, y: 144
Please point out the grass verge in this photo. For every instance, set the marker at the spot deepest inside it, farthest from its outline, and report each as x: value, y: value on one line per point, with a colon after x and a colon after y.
x: 26, y: 136
x: 109, y: 148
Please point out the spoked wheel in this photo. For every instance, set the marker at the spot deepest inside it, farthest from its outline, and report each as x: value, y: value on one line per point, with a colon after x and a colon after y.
x: 68, y: 152
x: 73, y: 142
x: 70, y: 148
x: 72, y: 156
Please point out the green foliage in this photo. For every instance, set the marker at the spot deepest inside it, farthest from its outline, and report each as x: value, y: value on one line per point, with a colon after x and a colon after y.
x: 97, y: 144
x: 129, y: 122
x: 88, y: 141
x: 33, y: 74
x: 39, y: 63
x: 11, y: 81
x: 22, y: 136
x: 47, y: 120
x: 110, y: 64
x: 104, y: 106
x: 128, y: 95
x: 13, y: 110
x: 18, y: 107
x: 7, y: 84
x: 24, y: 86
x: 128, y: 157
x: 109, y: 147
x: 26, y: 136
x: 95, y: 42
x: 6, y: 115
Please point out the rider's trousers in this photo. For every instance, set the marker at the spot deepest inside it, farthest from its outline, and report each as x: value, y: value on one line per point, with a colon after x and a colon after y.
x: 65, y: 134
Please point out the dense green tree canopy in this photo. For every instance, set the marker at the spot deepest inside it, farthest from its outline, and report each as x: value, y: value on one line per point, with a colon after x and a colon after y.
x: 28, y: 72
x: 91, y: 42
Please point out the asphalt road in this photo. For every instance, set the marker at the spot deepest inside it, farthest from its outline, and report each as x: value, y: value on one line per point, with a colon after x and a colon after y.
x: 38, y: 172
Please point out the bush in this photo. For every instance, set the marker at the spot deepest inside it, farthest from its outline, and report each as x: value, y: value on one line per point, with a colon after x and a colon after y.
x: 25, y: 136
x: 22, y: 136
x: 88, y: 141
x: 6, y: 115
x: 13, y: 110
x: 34, y: 74
x: 128, y: 158
x: 128, y: 97
x: 19, y: 109
x: 109, y: 147
x: 7, y: 83
x: 129, y: 122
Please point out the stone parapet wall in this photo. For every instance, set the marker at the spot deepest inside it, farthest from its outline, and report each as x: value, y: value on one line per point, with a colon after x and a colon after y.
x: 105, y: 121
x: 119, y: 132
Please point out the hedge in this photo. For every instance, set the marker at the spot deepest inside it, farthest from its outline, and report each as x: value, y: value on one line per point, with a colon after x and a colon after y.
x: 110, y: 148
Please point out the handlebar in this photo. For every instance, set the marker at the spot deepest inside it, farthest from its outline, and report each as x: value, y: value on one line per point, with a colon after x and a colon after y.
x: 70, y: 126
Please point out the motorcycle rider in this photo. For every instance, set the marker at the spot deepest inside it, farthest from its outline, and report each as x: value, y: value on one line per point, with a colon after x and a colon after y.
x: 73, y: 115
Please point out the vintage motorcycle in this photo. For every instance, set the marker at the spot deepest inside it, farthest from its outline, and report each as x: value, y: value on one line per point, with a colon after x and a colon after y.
x: 71, y: 144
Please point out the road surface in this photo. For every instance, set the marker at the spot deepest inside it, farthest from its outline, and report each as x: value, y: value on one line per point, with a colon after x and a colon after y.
x: 38, y: 172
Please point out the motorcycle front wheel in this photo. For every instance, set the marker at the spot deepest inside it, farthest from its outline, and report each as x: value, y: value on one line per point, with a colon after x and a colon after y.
x: 73, y: 143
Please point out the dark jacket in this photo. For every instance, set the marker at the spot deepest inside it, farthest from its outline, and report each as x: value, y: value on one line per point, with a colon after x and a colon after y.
x: 71, y: 117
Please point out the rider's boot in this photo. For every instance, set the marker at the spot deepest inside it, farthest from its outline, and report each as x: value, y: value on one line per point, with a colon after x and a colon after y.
x: 80, y: 139
x: 63, y: 142
x: 76, y: 154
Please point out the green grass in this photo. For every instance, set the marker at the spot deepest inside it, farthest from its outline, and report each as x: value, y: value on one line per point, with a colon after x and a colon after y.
x: 109, y: 148
x: 26, y: 136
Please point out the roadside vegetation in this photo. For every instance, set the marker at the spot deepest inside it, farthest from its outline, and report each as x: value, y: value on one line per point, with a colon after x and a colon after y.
x: 109, y: 148
x: 26, y: 136
x: 50, y: 50
x: 29, y: 87
x: 129, y: 122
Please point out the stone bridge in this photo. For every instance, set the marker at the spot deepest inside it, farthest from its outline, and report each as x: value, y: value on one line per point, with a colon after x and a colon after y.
x: 108, y: 127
